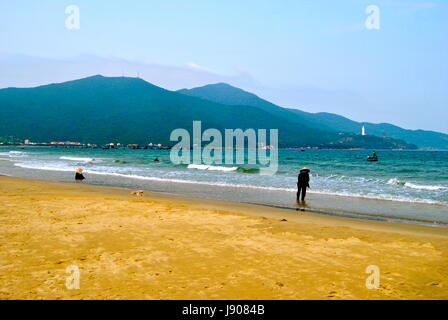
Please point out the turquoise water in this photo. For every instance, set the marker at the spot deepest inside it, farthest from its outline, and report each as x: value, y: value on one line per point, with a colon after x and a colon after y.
x: 406, y: 177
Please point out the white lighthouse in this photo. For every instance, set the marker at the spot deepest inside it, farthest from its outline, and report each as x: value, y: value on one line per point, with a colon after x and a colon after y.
x: 363, y: 131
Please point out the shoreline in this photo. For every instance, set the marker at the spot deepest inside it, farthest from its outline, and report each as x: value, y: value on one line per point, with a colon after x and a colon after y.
x: 391, y: 200
x: 164, y: 246
x: 249, y: 208
x: 269, y: 210
x: 322, y: 203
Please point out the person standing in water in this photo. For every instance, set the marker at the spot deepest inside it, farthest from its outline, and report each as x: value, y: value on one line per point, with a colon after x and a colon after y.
x: 302, y: 183
x: 78, y: 175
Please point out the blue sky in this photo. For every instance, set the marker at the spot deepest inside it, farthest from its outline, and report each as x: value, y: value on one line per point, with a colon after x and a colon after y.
x: 312, y: 55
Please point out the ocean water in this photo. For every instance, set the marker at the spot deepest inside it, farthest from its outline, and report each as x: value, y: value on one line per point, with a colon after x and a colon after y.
x: 410, y: 185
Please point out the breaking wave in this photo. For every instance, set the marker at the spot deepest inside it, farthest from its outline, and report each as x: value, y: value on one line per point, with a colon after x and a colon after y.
x: 224, y: 169
x: 397, y: 182
x: 77, y: 159
x: 211, y: 168
x: 13, y: 154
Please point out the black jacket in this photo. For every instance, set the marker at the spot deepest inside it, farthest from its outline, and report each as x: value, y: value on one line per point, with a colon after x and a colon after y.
x: 303, y: 179
x: 79, y: 176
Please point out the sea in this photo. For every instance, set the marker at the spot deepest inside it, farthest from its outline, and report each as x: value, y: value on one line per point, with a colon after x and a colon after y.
x: 403, y: 186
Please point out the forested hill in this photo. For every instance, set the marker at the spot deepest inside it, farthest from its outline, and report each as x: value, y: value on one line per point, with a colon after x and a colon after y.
x: 101, y: 109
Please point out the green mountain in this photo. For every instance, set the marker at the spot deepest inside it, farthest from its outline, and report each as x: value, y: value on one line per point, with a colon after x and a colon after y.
x: 424, y: 139
x: 229, y: 95
x: 130, y: 110
x: 225, y: 93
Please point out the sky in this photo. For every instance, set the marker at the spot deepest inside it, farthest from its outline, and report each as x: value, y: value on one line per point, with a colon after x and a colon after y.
x: 316, y: 56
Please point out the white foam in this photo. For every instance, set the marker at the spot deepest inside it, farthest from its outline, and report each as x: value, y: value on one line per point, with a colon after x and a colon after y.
x: 397, y: 182
x: 39, y: 166
x: 198, y: 166
x: 212, y: 168
x: 422, y: 187
x: 380, y: 197
x: 13, y: 154
x: 76, y: 159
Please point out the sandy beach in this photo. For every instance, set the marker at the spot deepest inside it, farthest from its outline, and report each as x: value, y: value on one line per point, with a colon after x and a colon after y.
x: 170, y: 247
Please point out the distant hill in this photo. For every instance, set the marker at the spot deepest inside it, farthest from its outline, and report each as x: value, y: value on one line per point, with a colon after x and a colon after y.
x: 421, y: 138
x: 130, y: 110
x: 227, y: 94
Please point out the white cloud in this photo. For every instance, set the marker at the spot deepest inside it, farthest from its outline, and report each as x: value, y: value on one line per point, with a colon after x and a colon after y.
x: 195, y: 66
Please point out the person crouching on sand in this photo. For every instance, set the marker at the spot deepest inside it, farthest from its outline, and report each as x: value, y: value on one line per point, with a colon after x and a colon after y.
x: 303, y: 182
x: 78, y: 175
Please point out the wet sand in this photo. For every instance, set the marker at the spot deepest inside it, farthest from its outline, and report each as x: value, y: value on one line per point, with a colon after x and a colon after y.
x: 170, y: 247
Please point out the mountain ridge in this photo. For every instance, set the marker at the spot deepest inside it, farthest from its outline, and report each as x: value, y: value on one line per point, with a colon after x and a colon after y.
x: 223, y: 92
x: 100, y: 109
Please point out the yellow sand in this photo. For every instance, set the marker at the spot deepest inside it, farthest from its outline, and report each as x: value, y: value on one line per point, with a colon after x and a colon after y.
x: 167, y: 247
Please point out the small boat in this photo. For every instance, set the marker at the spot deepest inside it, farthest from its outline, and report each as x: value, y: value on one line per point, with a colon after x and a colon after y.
x: 373, y: 157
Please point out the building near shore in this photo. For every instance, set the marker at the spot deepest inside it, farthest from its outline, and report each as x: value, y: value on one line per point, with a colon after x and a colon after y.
x: 65, y: 143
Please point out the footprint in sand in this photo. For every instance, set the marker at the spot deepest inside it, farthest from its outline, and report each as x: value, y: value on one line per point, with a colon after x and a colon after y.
x: 433, y: 284
x: 279, y: 284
